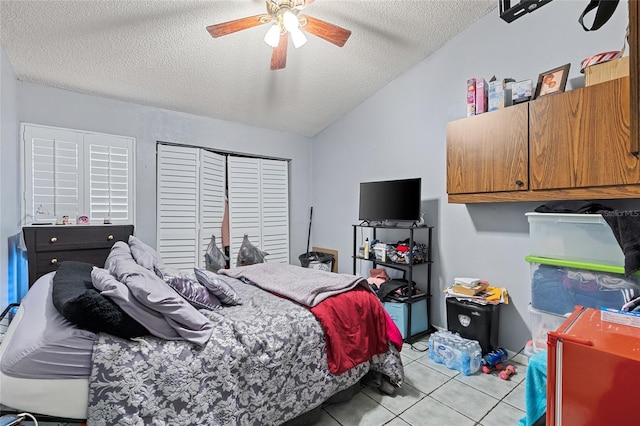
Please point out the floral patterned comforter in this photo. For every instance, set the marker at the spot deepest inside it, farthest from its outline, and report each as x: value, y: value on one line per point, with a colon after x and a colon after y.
x: 265, y: 363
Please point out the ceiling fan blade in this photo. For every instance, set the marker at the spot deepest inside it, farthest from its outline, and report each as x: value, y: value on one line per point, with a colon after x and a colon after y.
x: 332, y: 33
x: 279, y: 55
x: 225, y: 28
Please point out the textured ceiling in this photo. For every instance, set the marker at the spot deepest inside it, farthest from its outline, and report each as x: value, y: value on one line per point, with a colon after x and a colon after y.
x: 159, y: 53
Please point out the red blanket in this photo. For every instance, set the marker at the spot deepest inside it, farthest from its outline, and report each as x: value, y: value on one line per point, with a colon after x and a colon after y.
x: 355, y: 328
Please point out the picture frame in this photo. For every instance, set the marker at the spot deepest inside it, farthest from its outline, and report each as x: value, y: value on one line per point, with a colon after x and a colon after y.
x: 552, y: 81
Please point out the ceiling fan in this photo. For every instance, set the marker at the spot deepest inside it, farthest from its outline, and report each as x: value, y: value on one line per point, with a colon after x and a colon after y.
x: 286, y: 20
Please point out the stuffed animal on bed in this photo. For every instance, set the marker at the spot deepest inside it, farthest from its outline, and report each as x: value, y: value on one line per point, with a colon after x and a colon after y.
x: 250, y: 254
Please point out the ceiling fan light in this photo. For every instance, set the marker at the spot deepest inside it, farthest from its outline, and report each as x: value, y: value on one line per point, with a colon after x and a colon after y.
x: 290, y: 21
x: 272, y: 38
x: 298, y: 38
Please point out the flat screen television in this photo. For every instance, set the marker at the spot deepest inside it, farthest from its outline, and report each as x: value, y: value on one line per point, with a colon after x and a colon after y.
x: 390, y: 201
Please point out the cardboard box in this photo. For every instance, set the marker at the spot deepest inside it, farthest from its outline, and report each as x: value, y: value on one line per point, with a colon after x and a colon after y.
x: 500, y: 93
x: 471, y: 97
x: 482, y: 96
x: 606, y: 71
x: 470, y: 291
x: 521, y: 91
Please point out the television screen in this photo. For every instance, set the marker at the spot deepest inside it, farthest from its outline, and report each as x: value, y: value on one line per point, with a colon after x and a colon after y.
x: 391, y: 200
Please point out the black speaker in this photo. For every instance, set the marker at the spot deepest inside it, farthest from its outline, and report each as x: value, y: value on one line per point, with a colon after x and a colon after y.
x: 474, y: 321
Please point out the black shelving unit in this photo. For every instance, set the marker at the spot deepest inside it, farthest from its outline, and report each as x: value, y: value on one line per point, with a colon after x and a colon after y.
x: 407, y: 269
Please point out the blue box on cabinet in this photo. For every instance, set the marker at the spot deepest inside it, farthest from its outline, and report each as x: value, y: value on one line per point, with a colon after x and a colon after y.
x: 399, y: 313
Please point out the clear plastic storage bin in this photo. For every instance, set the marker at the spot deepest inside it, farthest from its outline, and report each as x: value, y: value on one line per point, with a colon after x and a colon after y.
x: 579, y: 237
x: 557, y: 286
x: 542, y: 323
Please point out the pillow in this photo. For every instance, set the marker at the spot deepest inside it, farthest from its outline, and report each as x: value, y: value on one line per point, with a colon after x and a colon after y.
x: 145, y: 255
x: 215, y: 284
x: 213, y: 257
x: 120, y: 250
x: 155, y: 294
x: 120, y: 294
x: 75, y: 298
x: 249, y: 254
x: 195, y: 293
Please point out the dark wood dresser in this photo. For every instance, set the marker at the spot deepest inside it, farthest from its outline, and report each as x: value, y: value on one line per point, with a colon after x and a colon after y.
x: 49, y: 245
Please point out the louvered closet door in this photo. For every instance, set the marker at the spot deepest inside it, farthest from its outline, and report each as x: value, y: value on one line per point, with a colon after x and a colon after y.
x: 52, y: 172
x: 107, y: 160
x: 275, y: 210
x: 258, y: 206
x: 212, y: 190
x: 244, y: 203
x: 177, y: 206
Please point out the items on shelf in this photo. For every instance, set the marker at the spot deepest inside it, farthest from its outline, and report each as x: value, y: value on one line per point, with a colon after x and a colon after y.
x: 407, y: 306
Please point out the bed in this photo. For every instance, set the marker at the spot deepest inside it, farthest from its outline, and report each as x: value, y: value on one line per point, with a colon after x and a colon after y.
x: 267, y: 360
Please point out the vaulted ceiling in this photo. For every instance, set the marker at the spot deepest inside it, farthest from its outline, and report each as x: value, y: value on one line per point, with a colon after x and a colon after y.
x: 159, y: 53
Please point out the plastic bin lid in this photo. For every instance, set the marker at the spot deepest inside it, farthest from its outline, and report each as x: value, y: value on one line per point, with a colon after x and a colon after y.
x: 577, y: 264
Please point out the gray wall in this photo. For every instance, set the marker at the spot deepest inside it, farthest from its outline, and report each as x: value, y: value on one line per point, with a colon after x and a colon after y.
x: 9, y: 198
x: 48, y: 106
x: 400, y: 133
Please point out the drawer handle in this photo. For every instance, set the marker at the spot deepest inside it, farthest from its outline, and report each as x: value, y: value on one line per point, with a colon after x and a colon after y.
x: 53, y: 240
x: 54, y: 261
x: 110, y: 237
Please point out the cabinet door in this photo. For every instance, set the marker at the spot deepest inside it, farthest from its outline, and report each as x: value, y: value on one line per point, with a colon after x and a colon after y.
x: 581, y: 138
x: 488, y: 152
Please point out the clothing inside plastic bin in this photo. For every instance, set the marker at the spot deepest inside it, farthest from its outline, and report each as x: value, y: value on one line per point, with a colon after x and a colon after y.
x: 558, y: 289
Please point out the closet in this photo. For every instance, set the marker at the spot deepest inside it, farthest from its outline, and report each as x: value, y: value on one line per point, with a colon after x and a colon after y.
x: 192, y: 186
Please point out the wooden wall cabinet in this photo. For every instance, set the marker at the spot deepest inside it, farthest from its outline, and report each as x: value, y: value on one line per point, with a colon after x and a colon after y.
x: 581, y: 139
x: 576, y: 145
x: 488, y: 152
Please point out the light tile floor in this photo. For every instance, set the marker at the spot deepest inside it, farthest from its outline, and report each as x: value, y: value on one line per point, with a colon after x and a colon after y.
x: 435, y: 395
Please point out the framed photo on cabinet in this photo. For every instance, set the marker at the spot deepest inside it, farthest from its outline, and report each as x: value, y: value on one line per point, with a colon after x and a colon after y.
x: 552, y: 81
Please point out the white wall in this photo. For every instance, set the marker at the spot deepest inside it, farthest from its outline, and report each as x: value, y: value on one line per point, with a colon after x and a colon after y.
x: 9, y: 148
x: 45, y: 105
x: 400, y: 133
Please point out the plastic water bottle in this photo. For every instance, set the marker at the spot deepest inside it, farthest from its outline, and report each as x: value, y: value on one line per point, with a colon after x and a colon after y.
x: 455, y: 352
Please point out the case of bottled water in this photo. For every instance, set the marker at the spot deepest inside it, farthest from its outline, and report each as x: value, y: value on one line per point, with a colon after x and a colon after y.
x: 455, y: 352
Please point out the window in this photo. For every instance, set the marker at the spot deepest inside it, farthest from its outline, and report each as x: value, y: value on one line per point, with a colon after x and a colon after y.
x: 74, y: 173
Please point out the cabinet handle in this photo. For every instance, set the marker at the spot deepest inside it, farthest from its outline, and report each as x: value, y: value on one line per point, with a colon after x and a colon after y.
x: 110, y: 237
x: 519, y: 182
x: 53, y: 240
x: 54, y: 261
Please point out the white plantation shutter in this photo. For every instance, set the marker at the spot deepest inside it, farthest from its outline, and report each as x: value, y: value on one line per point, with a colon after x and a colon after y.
x: 275, y: 210
x: 177, y: 206
x: 109, y: 162
x: 259, y: 206
x: 72, y: 172
x: 244, y: 203
x: 191, y: 199
x: 212, y: 190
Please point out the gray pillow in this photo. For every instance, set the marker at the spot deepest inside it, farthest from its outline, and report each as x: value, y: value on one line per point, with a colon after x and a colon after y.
x: 195, y: 293
x: 145, y: 255
x: 155, y: 294
x: 217, y: 285
x: 153, y: 321
x: 120, y: 250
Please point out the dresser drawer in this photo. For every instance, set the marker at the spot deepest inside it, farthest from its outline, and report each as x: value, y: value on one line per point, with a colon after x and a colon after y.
x: 77, y: 237
x: 49, y: 261
x: 47, y: 246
